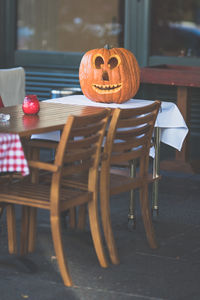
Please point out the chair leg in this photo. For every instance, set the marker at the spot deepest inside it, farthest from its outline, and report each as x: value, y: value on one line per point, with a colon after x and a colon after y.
x: 11, y: 228
x: 72, y: 217
x: 107, y: 226
x: 147, y: 218
x: 24, y: 230
x: 32, y: 229
x: 82, y: 217
x: 96, y: 233
x: 1, y: 210
x: 58, y: 246
x: 35, y: 172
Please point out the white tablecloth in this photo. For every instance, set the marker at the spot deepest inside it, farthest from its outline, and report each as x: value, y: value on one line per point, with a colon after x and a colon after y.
x: 169, y: 120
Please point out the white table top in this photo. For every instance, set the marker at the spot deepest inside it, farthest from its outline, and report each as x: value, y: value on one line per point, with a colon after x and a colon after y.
x: 169, y: 120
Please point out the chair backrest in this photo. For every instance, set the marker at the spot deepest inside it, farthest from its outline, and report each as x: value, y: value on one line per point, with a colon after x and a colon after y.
x: 12, y: 85
x: 79, y: 148
x: 129, y: 135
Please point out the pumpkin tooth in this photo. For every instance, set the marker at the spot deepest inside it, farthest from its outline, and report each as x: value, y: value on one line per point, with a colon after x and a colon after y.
x: 106, y: 88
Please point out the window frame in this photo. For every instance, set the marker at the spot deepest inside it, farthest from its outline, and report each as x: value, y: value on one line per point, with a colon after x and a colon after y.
x: 136, y: 39
x: 172, y: 60
x: 31, y: 58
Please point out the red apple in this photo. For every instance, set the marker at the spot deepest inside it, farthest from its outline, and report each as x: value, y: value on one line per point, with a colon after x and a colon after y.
x: 31, y: 105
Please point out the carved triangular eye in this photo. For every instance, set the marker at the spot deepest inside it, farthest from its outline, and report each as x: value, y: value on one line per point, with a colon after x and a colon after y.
x: 98, y: 62
x: 113, y: 62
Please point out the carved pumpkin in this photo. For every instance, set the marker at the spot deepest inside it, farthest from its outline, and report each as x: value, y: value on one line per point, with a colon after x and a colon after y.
x: 109, y: 75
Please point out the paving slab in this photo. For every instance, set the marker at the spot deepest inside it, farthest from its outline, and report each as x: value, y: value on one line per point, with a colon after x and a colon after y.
x: 171, y: 272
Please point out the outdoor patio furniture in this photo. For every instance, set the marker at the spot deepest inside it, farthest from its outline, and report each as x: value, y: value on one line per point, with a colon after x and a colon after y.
x: 12, y: 85
x: 78, y: 150
x: 128, y: 138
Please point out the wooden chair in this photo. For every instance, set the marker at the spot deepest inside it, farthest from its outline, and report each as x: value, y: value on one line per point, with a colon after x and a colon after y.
x: 128, y: 138
x: 78, y: 150
x: 128, y: 141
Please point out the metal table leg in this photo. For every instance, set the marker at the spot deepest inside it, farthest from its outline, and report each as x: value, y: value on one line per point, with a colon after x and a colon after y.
x: 131, y: 214
x: 156, y: 174
x: 156, y: 170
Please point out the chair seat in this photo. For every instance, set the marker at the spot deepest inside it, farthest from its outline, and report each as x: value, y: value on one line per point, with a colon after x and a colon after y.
x: 37, y: 195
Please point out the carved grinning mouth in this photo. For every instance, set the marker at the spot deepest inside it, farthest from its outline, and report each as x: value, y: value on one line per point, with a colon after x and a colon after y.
x: 107, y: 88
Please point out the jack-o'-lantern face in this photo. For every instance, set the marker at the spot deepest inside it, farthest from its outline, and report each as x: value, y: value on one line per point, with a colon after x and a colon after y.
x: 109, y: 75
x: 106, y: 66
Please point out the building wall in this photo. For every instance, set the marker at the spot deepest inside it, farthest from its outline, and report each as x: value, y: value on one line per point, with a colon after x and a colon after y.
x: 47, y: 71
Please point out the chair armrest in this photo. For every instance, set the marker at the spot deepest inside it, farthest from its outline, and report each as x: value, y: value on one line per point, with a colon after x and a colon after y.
x: 43, y: 166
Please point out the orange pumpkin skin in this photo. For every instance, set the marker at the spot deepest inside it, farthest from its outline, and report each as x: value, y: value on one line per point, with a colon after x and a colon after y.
x: 109, y: 75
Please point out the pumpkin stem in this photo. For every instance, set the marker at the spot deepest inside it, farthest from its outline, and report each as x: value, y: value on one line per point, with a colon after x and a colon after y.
x: 107, y: 46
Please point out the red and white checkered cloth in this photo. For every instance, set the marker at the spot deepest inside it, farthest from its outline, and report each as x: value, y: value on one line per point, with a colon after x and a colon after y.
x: 12, y: 157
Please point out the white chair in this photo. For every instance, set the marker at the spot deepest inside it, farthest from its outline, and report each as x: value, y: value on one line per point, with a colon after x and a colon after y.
x: 12, y: 86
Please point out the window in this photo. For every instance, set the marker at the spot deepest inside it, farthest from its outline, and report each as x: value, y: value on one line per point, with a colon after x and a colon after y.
x: 175, y: 28
x: 69, y: 26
